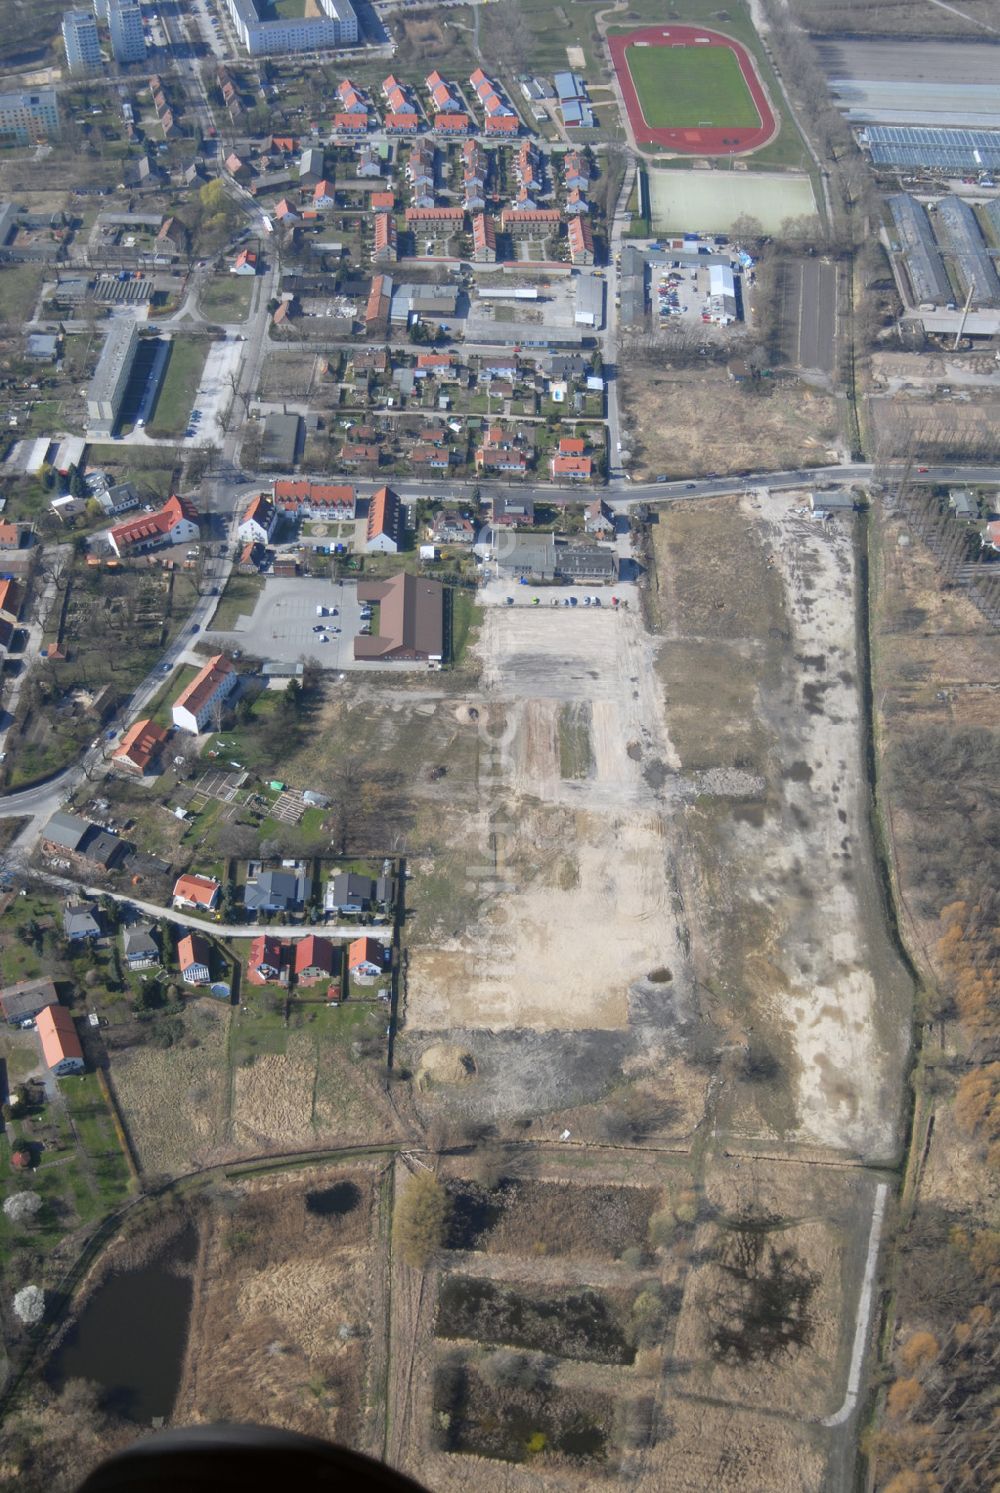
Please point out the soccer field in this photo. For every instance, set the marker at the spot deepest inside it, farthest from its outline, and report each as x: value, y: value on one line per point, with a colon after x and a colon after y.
x: 687, y: 86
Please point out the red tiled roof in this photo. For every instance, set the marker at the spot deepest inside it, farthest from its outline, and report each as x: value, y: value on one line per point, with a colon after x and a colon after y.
x: 502, y: 124
x: 204, y: 683
x: 401, y: 120
x: 383, y: 514
x: 290, y: 489
x: 192, y: 949
x: 456, y: 122
x: 57, y: 1035
x: 314, y: 953
x: 201, y: 890
x: 151, y: 525
x: 140, y: 744
x: 364, y: 950
x: 434, y: 360
x: 383, y: 201
x: 571, y: 466
x: 435, y: 215
x: 572, y: 446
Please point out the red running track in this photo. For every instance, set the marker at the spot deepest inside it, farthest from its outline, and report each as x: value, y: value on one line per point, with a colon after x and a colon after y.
x: 720, y: 141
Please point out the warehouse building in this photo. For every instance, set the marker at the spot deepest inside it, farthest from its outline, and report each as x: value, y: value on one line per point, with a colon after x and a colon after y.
x: 336, y: 26
x: 959, y: 233
x: 924, y: 265
x: 111, y: 376
x: 589, y: 309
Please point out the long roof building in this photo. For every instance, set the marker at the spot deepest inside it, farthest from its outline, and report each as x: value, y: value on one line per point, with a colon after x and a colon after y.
x: 959, y: 232
x: 924, y: 264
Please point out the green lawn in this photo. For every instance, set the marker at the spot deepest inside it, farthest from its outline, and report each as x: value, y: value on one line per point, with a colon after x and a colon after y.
x: 682, y: 87
x: 180, y: 386
x: 227, y: 298
x: 238, y: 599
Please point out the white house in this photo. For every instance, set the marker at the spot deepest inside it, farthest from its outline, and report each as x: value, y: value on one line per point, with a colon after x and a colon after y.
x: 195, y: 706
x: 259, y: 521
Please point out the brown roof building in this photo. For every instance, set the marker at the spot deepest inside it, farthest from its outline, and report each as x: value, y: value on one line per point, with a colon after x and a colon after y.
x: 140, y: 746
x: 411, y: 620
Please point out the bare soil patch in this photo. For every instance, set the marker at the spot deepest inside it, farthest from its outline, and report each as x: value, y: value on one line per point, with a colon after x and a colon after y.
x: 685, y: 421
x: 541, y: 837
x: 788, y: 931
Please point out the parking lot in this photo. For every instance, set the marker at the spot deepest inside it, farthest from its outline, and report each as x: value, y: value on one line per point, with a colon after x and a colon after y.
x: 282, y: 626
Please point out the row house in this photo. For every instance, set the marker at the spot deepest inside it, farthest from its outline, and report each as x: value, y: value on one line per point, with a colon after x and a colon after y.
x: 539, y: 222
x: 350, y: 124
x: 452, y: 124
x: 575, y: 172
x: 484, y: 239
x: 502, y: 124
x: 497, y: 365
x: 385, y: 250
x: 495, y: 106
x: 444, y: 97
x: 581, y: 241
x: 404, y: 122
x: 449, y: 220
x: 303, y: 498
x: 420, y: 164
x: 350, y: 99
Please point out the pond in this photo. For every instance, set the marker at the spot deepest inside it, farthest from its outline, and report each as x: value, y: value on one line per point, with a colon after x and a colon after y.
x: 130, y: 1336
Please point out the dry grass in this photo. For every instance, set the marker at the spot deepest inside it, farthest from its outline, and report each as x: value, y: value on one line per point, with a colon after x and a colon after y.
x: 283, y: 1308
x: 273, y: 1097
x: 733, y: 1451
x: 685, y: 422
x: 174, y: 1100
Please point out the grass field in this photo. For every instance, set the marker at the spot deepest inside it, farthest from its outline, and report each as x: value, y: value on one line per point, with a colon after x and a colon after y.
x: 180, y: 385
x: 690, y: 86
x: 226, y: 298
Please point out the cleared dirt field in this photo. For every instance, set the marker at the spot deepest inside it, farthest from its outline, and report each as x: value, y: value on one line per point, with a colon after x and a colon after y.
x: 685, y: 422
x: 530, y: 957
x: 760, y: 669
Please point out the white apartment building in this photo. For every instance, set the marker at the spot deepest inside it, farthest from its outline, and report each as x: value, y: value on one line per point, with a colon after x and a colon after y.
x: 336, y: 27
x: 196, y: 705
x: 83, y: 47
x: 111, y: 376
x: 28, y: 117
x: 127, y: 40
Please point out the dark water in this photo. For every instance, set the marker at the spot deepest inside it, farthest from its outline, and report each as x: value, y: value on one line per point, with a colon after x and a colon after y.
x: 130, y: 1337
x: 335, y: 1201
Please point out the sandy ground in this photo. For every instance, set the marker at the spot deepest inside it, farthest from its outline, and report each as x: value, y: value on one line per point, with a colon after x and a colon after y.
x: 585, y: 910
x: 788, y: 925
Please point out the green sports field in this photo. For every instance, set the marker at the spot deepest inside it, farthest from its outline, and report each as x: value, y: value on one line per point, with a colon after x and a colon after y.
x: 683, y: 87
